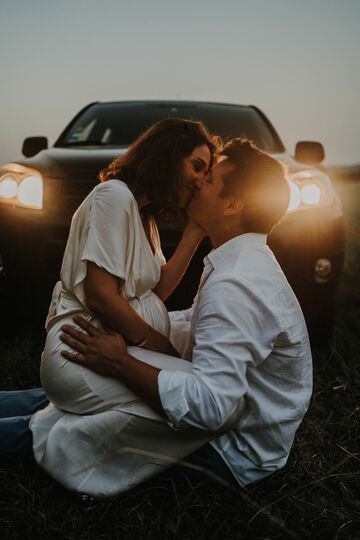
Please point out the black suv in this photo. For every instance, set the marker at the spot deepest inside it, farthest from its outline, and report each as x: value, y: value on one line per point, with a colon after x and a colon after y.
x: 39, y: 194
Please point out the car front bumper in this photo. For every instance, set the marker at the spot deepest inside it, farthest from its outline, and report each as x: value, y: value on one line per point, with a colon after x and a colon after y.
x: 303, y: 248
x: 300, y: 243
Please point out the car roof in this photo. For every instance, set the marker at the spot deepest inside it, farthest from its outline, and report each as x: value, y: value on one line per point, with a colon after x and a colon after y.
x: 167, y: 102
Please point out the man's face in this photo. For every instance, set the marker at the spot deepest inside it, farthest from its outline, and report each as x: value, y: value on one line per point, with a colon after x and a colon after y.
x: 206, y: 205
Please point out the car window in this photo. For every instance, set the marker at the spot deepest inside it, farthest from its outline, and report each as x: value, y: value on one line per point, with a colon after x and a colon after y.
x: 119, y: 124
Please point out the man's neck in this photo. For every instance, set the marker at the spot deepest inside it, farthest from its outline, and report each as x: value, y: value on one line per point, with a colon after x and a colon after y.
x: 221, y: 236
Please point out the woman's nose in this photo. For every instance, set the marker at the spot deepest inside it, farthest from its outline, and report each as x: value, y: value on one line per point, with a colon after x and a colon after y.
x: 199, y: 182
x: 201, y: 178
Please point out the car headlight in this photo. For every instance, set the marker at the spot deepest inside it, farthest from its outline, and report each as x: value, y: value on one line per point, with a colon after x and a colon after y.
x: 309, y: 189
x: 21, y: 186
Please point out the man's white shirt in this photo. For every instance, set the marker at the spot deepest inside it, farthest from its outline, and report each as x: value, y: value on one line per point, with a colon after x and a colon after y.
x: 250, y: 339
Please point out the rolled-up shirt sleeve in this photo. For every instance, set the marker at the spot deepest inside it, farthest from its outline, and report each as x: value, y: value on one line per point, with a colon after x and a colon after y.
x: 232, y: 328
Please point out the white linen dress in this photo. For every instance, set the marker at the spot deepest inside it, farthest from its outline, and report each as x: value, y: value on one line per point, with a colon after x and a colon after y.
x: 97, y: 436
x: 107, y: 230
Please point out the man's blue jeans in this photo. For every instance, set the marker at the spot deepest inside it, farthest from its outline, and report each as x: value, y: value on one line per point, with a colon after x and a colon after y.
x: 16, y: 408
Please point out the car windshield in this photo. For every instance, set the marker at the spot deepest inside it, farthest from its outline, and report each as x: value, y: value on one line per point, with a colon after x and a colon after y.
x: 119, y: 124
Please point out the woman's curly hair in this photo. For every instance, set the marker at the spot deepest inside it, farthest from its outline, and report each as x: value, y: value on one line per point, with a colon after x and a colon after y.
x: 153, y: 165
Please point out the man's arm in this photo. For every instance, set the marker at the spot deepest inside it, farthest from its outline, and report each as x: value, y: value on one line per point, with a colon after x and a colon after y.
x: 106, y: 354
x: 229, y: 335
x: 234, y: 328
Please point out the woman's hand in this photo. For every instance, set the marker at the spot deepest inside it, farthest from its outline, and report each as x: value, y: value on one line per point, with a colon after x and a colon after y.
x: 193, y: 231
x: 159, y: 343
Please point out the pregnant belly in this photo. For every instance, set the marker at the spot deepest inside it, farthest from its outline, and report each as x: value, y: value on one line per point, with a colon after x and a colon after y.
x: 69, y: 385
x: 62, y: 380
x: 78, y: 390
x: 153, y: 311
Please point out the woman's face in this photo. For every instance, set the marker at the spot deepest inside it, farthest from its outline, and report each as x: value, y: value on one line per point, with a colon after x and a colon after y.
x: 195, y: 168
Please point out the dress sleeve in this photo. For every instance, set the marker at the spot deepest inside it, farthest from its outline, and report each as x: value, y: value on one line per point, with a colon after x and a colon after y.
x: 111, y: 229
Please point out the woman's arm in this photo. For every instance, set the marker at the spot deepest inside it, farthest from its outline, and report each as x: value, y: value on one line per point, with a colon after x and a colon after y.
x: 175, y: 268
x: 104, y: 300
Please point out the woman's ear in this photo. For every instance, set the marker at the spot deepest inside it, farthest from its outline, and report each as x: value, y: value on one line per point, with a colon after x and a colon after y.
x: 233, y: 206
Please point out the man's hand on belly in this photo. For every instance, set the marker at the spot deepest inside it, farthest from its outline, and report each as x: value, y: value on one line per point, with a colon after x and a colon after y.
x: 96, y: 350
x: 106, y: 354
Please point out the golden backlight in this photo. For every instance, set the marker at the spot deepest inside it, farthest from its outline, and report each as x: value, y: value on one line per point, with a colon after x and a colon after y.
x: 295, y: 197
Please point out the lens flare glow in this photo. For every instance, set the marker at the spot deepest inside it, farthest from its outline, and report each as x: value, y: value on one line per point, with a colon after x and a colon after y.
x: 295, y: 197
x: 8, y: 188
x: 311, y: 194
x: 30, y: 191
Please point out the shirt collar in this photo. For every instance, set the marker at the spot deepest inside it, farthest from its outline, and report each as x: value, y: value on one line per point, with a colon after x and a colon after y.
x: 233, y: 246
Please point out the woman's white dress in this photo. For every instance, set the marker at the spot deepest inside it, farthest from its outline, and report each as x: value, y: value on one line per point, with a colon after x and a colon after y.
x: 97, y: 436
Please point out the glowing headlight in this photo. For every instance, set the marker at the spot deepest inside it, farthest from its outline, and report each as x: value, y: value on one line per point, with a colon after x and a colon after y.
x: 8, y: 187
x: 308, y: 189
x: 311, y: 194
x: 22, y: 187
x: 30, y: 191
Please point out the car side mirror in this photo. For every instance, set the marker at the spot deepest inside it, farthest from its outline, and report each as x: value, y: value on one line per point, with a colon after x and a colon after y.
x: 309, y: 152
x: 33, y: 145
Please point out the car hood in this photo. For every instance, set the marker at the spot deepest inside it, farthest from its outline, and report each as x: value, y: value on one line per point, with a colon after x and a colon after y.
x: 62, y: 162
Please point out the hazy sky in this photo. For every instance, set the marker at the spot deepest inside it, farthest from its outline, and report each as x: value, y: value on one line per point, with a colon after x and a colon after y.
x: 299, y: 61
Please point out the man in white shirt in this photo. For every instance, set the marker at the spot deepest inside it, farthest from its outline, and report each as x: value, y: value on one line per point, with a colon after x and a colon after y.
x: 250, y: 338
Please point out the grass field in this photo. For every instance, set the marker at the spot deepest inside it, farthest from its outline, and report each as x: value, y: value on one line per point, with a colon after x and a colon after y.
x: 316, y: 496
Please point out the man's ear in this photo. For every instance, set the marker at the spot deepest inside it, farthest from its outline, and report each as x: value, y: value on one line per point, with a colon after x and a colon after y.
x: 233, y: 206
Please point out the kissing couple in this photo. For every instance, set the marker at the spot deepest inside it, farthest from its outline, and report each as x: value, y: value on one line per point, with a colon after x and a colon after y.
x: 133, y: 389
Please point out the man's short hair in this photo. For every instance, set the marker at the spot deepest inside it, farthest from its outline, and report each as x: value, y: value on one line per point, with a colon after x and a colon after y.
x: 260, y: 181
